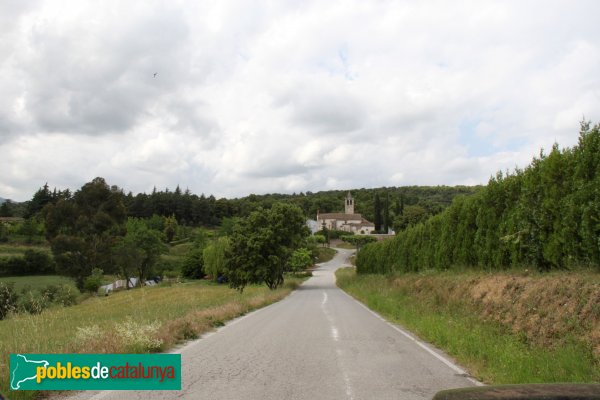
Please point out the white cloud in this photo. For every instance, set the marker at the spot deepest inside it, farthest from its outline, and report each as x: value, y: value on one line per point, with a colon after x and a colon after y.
x: 255, y: 98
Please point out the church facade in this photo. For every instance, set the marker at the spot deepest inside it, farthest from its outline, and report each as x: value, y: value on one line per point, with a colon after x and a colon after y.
x: 347, y: 221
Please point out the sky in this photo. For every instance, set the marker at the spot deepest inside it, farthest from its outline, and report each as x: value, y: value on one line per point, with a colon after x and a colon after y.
x: 237, y: 97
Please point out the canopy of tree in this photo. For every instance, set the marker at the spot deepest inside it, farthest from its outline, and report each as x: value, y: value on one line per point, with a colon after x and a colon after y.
x: 190, y: 209
x: 262, y: 244
x: 81, y: 229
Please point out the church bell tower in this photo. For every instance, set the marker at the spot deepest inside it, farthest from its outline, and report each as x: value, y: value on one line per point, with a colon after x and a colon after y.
x: 349, y: 204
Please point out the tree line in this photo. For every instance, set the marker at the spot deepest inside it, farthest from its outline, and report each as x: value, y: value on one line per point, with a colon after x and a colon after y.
x: 546, y: 216
x: 90, y: 233
x: 384, y: 206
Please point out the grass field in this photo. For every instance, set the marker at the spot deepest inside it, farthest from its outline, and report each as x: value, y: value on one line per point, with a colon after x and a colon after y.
x: 513, y: 329
x: 142, y: 320
x: 343, y: 245
x: 36, y: 282
x: 17, y: 250
x: 325, y: 254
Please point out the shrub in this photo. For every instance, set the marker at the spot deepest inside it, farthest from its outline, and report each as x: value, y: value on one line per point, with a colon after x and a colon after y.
x: 33, y: 302
x: 300, y: 260
x: 66, y: 295
x: 38, y: 262
x: 50, y: 292
x: 93, y: 282
x: 193, y: 265
x: 8, y: 299
x: 139, y: 338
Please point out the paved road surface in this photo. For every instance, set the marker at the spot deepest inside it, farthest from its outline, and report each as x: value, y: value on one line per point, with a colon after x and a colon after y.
x: 318, y: 343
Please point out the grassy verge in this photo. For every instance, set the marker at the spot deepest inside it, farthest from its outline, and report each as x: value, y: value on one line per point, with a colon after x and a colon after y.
x: 135, y: 321
x: 495, y: 350
x: 325, y: 254
x: 344, y: 245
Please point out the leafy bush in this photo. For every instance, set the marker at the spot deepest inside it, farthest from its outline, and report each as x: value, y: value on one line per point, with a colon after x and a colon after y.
x: 8, y: 299
x: 66, y: 295
x: 332, y: 233
x: 93, y: 282
x: 215, y: 257
x: 38, y: 262
x: 33, y: 302
x: 301, y: 259
x: 193, y: 265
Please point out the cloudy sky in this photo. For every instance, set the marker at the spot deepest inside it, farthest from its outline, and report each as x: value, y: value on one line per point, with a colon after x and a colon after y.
x: 288, y: 96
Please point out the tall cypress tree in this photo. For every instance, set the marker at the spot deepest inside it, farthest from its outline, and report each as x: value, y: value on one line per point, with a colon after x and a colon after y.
x: 377, y: 213
x: 386, y: 213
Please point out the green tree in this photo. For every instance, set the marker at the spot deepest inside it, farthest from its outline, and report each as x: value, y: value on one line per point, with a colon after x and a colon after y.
x: 377, y: 217
x: 300, y: 260
x: 170, y: 227
x: 5, y: 210
x: 193, y: 265
x: 386, y: 213
x: 32, y: 229
x: 411, y: 215
x: 262, y: 243
x: 126, y: 256
x: 40, y: 199
x: 215, y: 257
x: 4, y: 232
x: 148, y: 244
x: 359, y: 241
x: 320, y: 239
x: 82, y: 229
x: 94, y: 281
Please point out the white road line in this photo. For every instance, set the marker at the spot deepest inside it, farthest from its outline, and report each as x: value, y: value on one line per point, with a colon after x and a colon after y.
x: 421, y: 344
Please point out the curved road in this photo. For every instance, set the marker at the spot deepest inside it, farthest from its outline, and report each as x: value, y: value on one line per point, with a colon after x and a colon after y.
x: 318, y: 343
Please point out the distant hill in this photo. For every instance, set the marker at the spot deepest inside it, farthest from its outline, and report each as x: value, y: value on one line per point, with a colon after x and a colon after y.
x: 2, y: 200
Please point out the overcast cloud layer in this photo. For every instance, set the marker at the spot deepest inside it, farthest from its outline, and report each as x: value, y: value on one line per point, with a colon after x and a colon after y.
x: 258, y: 97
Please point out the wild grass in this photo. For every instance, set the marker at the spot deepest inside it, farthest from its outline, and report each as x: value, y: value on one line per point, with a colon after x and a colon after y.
x: 344, y: 245
x: 490, y: 350
x: 17, y: 250
x: 325, y: 254
x: 148, y: 319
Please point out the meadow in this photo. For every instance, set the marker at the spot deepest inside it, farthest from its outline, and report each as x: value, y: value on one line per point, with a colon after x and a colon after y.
x: 18, y: 250
x: 36, y: 282
x: 149, y: 319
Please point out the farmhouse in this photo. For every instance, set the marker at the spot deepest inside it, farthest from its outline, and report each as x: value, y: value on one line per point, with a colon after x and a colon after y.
x: 347, y: 221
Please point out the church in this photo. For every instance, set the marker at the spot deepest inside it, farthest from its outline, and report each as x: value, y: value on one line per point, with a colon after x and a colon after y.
x: 347, y: 221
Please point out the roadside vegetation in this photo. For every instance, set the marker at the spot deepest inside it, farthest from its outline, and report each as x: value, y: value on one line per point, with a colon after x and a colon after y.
x: 545, y: 217
x: 505, y: 280
x: 87, y: 239
x: 150, y: 319
x: 324, y: 254
x: 506, y: 328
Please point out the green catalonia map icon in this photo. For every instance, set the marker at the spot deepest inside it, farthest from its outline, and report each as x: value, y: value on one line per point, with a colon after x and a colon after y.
x: 23, y: 369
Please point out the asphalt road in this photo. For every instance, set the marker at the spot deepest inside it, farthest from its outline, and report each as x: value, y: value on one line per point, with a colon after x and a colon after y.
x: 318, y: 343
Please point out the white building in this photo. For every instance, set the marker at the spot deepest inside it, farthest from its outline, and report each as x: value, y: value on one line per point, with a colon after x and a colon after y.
x: 347, y: 221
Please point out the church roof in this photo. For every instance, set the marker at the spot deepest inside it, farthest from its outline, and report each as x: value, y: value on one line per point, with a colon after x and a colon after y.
x: 341, y: 216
